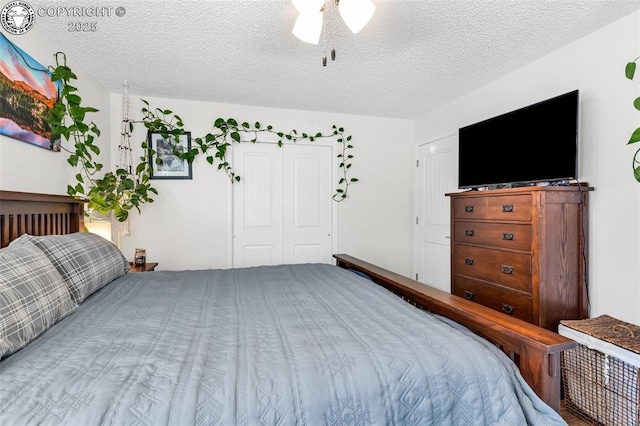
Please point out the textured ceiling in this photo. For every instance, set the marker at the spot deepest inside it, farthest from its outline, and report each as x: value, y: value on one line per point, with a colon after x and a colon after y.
x: 412, y: 56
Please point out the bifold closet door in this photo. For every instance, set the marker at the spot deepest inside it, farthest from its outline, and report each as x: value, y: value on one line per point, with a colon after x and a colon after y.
x: 282, y: 206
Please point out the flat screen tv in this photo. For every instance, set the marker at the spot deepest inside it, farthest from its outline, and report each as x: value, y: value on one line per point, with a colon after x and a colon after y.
x: 537, y: 143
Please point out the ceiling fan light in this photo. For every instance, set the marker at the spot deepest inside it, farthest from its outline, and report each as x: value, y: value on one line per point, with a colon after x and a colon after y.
x: 356, y: 13
x: 308, y: 5
x: 308, y: 26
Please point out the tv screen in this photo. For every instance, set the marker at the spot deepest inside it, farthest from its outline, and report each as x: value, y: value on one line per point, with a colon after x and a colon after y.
x: 537, y: 143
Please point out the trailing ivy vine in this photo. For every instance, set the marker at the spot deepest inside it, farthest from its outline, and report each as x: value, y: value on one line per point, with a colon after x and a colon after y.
x: 630, y: 71
x: 215, y: 145
x: 123, y: 190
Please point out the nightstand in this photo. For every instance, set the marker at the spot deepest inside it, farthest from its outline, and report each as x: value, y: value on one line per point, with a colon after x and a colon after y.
x: 147, y: 267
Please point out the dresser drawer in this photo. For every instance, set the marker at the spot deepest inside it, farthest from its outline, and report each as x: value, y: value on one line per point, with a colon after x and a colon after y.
x: 507, y: 207
x: 518, y: 305
x: 509, y: 269
x: 505, y: 235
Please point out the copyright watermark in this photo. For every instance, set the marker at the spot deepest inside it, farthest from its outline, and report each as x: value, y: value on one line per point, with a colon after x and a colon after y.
x: 18, y: 16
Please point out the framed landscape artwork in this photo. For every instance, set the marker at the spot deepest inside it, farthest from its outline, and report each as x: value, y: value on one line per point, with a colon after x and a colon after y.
x: 166, y: 164
x: 27, y: 94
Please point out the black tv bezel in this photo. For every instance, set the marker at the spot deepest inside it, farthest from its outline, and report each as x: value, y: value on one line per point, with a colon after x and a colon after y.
x: 508, y: 183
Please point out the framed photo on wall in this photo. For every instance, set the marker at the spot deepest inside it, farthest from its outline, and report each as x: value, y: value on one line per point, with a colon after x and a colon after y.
x: 166, y: 164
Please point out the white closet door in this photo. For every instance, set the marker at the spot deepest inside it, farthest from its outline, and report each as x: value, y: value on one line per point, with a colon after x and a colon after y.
x: 282, y: 207
x: 307, y: 204
x: 436, y: 175
x: 257, y: 205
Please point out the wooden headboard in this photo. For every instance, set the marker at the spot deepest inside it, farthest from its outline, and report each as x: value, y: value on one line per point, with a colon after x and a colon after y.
x: 38, y: 214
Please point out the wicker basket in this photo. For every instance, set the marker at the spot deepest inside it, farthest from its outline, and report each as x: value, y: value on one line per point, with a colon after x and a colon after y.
x: 601, y: 375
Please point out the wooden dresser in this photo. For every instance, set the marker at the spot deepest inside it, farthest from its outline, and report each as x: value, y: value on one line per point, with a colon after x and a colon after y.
x: 522, y: 251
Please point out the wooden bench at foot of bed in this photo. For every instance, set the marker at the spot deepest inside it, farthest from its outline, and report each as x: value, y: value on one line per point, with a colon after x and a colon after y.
x: 535, y: 350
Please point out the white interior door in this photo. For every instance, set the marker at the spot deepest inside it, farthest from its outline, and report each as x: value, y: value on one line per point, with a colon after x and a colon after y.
x: 257, y: 205
x: 307, y: 204
x: 282, y: 207
x: 436, y: 175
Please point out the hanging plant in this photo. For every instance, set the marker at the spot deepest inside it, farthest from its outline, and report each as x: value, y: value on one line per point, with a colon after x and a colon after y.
x: 118, y: 191
x: 630, y: 71
x: 125, y: 189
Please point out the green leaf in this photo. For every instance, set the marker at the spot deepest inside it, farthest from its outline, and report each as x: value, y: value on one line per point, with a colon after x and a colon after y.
x: 630, y: 70
x: 219, y: 123
x: 635, y: 137
x: 257, y: 125
x: 354, y: 180
x: 74, y: 99
x: 235, y: 136
x: 280, y: 144
x: 245, y: 125
x: 237, y: 178
x: 636, y: 103
x: 232, y: 122
x: 636, y: 173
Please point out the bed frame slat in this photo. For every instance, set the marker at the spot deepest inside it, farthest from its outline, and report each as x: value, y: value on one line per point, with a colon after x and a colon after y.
x: 38, y: 214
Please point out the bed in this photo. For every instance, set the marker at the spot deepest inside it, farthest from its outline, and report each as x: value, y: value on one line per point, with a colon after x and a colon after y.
x: 287, y: 344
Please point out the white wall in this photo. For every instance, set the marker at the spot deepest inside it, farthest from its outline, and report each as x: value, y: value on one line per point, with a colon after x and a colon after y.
x: 188, y: 225
x: 595, y: 66
x: 28, y: 168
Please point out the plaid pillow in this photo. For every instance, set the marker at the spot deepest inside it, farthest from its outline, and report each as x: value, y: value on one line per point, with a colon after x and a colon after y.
x: 32, y: 296
x: 87, y: 262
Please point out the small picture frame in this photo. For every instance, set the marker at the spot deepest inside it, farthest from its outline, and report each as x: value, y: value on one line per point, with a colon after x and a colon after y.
x: 169, y: 166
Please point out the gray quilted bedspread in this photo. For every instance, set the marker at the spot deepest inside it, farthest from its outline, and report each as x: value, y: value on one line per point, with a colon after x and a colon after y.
x: 305, y: 344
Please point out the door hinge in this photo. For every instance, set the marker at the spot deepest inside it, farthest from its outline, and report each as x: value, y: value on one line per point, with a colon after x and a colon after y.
x: 417, y: 163
x: 416, y: 276
x: 416, y: 220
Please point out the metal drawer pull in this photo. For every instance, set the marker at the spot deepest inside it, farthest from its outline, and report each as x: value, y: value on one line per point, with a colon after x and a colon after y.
x: 468, y: 209
x: 468, y: 294
x: 506, y: 269
x: 468, y: 233
x: 468, y: 261
x: 508, y: 309
x: 507, y: 208
x: 507, y: 236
